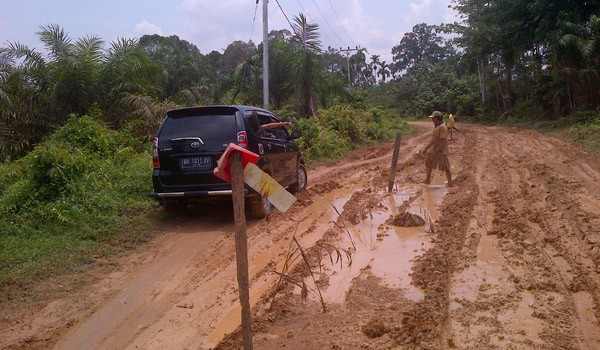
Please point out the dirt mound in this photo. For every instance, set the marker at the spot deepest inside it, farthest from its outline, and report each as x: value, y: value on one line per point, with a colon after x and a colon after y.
x: 406, y: 219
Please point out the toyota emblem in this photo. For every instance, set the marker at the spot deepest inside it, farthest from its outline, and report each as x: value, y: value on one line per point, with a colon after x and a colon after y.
x: 195, y: 144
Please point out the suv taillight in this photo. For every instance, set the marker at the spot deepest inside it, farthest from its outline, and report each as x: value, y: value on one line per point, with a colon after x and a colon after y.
x: 242, y: 139
x: 155, y: 162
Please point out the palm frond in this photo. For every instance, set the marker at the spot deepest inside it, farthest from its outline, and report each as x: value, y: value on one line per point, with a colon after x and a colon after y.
x: 90, y: 47
x: 55, y: 39
x: 16, y: 50
x: 306, y: 34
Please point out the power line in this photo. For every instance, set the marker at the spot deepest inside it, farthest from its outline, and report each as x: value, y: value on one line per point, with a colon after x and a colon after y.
x: 307, y: 14
x: 326, y: 21
x: 286, y: 17
x: 253, y: 21
x: 341, y: 23
x: 313, y: 20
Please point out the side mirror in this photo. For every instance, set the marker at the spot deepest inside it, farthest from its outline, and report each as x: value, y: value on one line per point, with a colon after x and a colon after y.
x: 296, y: 134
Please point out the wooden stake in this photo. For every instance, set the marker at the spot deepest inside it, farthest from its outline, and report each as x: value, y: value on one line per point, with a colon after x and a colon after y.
x: 241, y: 245
x: 392, y: 177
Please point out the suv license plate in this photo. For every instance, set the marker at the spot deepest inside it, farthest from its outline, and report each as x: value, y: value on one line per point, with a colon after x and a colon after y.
x: 196, y: 163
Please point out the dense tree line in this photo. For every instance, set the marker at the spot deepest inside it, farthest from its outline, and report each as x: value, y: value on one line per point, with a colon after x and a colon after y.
x: 539, y: 56
x: 530, y: 59
x: 134, y: 82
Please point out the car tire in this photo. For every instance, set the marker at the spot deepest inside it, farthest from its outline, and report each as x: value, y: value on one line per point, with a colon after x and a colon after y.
x: 301, y: 179
x: 259, y: 207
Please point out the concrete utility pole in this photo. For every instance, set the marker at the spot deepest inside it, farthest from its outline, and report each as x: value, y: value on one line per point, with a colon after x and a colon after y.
x: 265, y: 53
x: 347, y: 51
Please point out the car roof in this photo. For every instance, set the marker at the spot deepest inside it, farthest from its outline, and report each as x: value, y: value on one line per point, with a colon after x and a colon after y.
x: 212, y: 109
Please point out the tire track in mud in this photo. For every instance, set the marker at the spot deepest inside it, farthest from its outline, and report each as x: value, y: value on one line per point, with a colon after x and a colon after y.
x: 534, y: 300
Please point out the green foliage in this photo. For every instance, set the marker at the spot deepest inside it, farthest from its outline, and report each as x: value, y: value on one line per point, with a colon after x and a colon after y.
x: 583, y: 127
x: 587, y: 132
x: 422, y: 44
x: 428, y: 87
x: 342, y: 128
x: 537, y: 59
x: 68, y: 199
x: 86, y: 134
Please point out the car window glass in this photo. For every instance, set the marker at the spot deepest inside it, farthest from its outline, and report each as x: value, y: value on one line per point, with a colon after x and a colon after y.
x: 252, y: 122
x: 207, y: 127
x: 280, y: 133
x: 265, y: 119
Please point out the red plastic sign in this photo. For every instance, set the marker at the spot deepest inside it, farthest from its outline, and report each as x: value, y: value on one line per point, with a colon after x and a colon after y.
x: 223, y: 169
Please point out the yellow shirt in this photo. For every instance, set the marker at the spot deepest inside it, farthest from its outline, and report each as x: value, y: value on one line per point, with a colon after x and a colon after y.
x: 450, y: 121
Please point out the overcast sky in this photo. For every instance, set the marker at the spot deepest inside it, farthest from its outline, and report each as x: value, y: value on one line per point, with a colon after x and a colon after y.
x: 376, y: 25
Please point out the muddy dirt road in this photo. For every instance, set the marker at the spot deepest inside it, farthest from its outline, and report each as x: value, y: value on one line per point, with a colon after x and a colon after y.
x: 508, y: 258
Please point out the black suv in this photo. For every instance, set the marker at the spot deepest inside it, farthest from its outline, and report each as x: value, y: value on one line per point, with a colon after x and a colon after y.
x: 190, y: 141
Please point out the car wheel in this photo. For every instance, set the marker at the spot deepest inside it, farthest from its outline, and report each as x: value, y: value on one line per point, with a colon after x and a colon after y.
x: 259, y: 206
x: 301, y: 180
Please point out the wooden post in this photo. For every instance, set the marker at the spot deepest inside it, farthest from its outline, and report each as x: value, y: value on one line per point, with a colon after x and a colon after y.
x: 241, y: 245
x: 394, y: 163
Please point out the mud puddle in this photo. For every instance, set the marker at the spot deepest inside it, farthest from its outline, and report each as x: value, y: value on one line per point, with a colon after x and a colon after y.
x: 387, y: 250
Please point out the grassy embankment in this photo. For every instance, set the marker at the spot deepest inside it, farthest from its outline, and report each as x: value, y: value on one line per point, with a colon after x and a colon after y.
x: 71, y: 202
x: 81, y: 196
x: 585, y: 131
x: 581, y: 127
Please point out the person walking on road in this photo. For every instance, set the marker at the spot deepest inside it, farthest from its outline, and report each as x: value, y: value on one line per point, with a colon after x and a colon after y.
x: 438, y: 157
x: 450, y: 124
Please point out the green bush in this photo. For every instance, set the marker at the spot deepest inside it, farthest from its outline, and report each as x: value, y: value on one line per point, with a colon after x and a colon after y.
x: 86, y: 134
x: 68, y: 198
x: 587, y: 132
x: 342, y: 128
x: 52, y: 166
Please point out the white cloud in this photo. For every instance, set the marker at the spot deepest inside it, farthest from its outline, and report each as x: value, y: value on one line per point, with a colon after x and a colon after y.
x: 430, y: 12
x: 145, y: 27
x: 212, y: 25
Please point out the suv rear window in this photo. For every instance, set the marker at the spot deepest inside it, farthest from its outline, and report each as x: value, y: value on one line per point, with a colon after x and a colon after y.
x: 207, y: 127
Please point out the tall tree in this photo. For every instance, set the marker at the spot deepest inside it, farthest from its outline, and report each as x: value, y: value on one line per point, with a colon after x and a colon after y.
x: 306, y: 37
x: 186, y: 74
x: 375, y: 62
x: 422, y: 44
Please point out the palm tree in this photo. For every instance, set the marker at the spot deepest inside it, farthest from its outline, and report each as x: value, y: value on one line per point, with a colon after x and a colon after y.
x: 384, y: 71
x: 24, y: 118
x: 72, y: 71
x: 130, y: 87
x: 306, y: 37
x: 374, y: 65
x: 38, y: 93
x: 362, y: 70
x: 246, y: 79
x: 576, y: 62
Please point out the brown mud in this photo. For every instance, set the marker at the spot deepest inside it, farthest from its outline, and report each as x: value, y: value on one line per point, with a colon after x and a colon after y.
x: 507, y: 258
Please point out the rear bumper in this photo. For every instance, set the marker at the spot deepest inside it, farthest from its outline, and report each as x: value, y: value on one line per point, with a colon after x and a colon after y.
x: 193, y: 194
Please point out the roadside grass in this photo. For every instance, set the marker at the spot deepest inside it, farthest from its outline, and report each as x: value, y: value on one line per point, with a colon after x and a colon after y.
x: 587, y: 134
x: 582, y: 127
x: 78, y: 199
